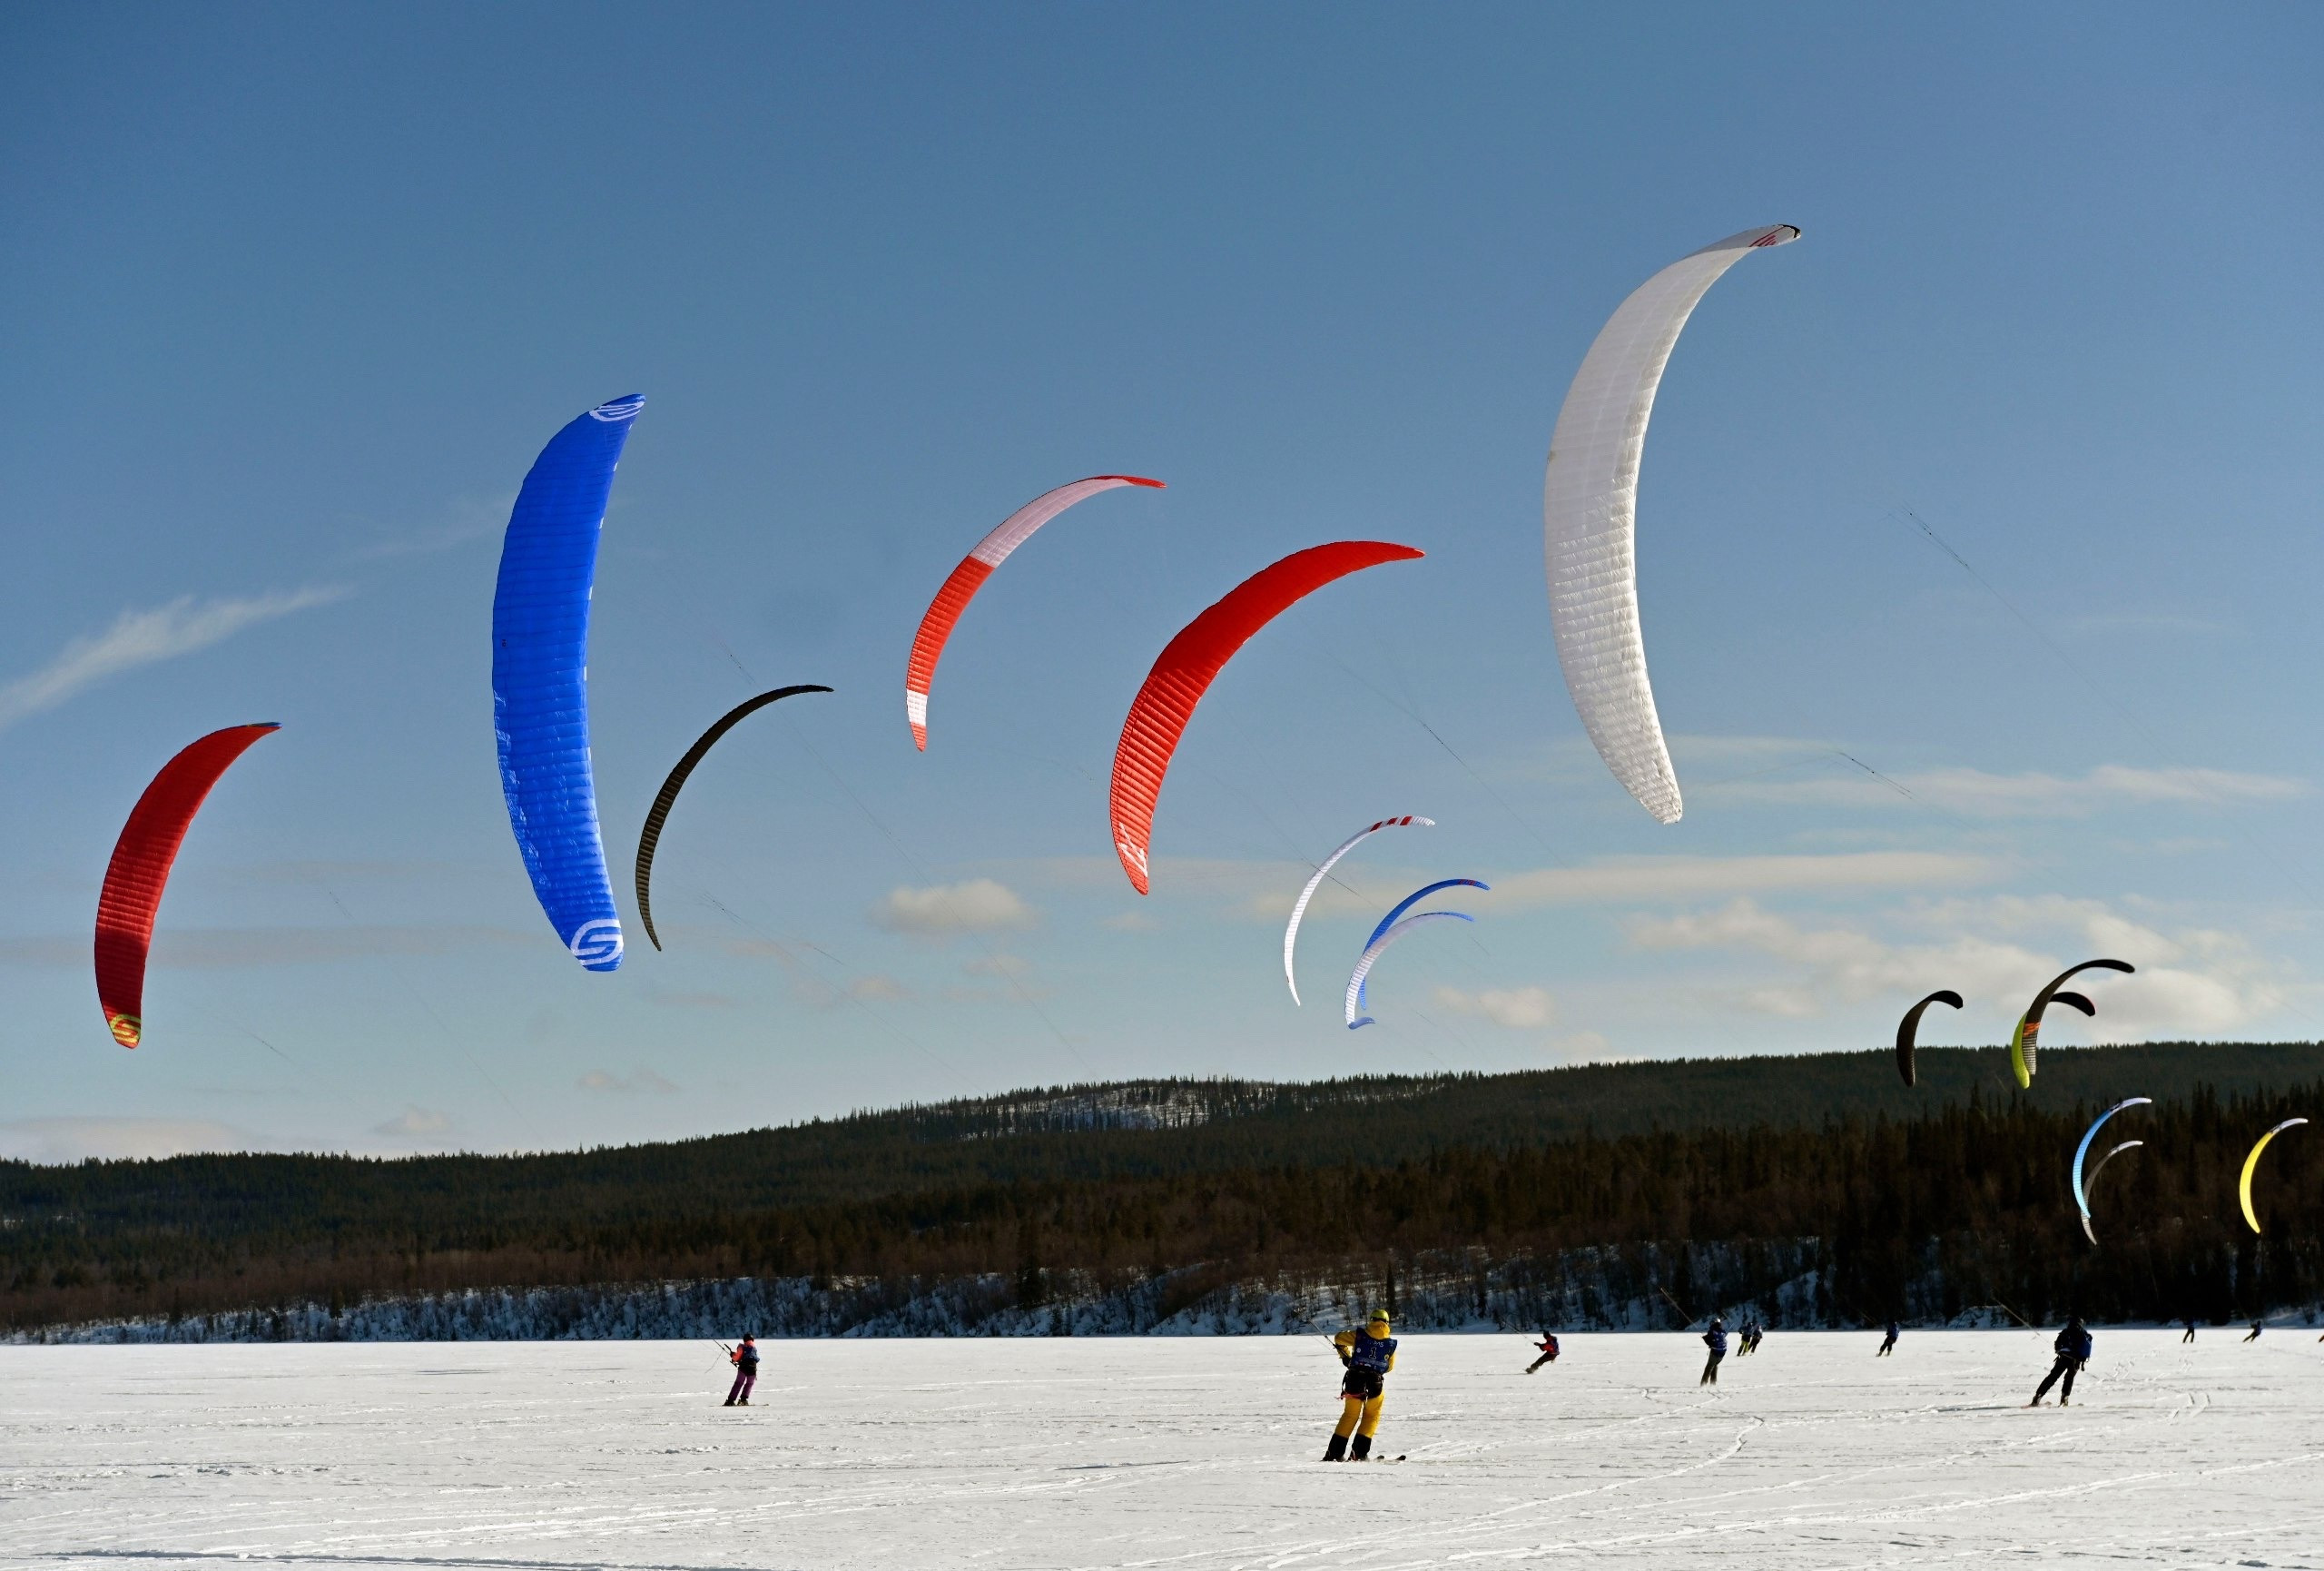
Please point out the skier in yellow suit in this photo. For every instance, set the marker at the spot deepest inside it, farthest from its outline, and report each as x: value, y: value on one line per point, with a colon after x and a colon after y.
x: 1368, y: 1354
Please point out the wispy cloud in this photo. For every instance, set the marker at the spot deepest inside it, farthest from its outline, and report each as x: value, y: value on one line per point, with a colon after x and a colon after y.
x: 1517, y: 1008
x: 416, y: 1122
x: 1641, y: 880
x: 2142, y: 623
x: 231, y: 948
x: 942, y: 910
x: 872, y: 987
x: 2194, y: 980
x: 183, y: 627
x: 72, y: 1140
x: 471, y: 518
x: 670, y: 998
x: 1974, y: 793
x: 643, y: 1083
x: 1263, y: 891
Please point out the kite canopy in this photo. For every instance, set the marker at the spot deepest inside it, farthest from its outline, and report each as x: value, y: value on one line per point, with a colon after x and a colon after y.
x: 140, y: 871
x: 2091, y: 1179
x: 944, y: 611
x: 1299, y: 907
x: 651, y: 836
x: 540, y: 664
x: 2022, y: 1042
x: 1589, y: 516
x: 1406, y: 904
x: 1188, y: 665
x: 1378, y: 947
x: 1909, y: 1028
x: 2243, y: 1185
x: 2081, y: 1191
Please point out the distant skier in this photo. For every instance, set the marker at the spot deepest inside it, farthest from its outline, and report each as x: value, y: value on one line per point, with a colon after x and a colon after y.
x: 1888, y: 1346
x: 1716, y: 1341
x: 2073, y: 1348
x: 2254, y: 1334
x: 1753, y: 1335
x: 1368, y: 1354
x: 2191, y: 1332
x: 1549, y: 1349
x: 746, y: 1373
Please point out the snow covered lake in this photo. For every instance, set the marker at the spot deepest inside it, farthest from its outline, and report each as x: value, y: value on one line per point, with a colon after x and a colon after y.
x: 1178, y: 1453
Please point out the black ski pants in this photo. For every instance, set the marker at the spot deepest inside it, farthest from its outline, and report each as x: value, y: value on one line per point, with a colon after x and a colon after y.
x: 2065, y: 1366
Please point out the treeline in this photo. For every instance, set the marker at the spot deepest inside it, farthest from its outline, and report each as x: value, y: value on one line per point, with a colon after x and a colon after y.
x: 1965, y: 1204
x: 1144, y: 1129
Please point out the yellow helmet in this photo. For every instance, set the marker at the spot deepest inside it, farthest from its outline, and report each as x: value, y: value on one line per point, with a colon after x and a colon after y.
x: 1379, y: 1317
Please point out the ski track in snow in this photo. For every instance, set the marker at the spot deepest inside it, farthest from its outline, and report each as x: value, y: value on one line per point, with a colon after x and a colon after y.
x: 1163, y: 1454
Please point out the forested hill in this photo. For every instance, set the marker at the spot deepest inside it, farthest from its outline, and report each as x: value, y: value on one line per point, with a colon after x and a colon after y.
x: 1154, y: 1128
x: 1889, y: 1196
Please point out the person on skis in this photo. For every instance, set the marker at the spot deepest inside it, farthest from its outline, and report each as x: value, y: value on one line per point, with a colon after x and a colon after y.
x: 1368, y: 1355
x: 746, y: 1373
x: 2190, y: 1331
x: 2073, y: 1348
x: 1753, y: 1334
x: 1547, y: 1346
x: 1888, y: 1346
x: 1716, y: 1341
x: 2254, y: 1335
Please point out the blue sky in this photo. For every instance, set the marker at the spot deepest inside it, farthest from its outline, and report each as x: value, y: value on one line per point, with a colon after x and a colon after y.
x: 298, y: 293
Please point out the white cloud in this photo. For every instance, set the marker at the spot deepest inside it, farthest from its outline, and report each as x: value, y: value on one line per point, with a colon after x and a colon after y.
x: 998, y: 965
x: 1518, y: 1008
x: 72, y: 1140
x: 939, y: 911
x: 1846, y: 963
x: 416, y: 1122
x: 1130, y: 922
x: 877, y: 985
x: 1979, y: 793
x: 2195, y: 982
x: 644, y: 1082
x: 137, y: 638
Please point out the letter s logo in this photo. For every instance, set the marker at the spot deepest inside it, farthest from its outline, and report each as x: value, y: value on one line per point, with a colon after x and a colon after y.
x: 597, y: 944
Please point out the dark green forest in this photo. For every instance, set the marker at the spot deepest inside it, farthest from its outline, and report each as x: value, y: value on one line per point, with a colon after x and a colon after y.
x: 1922, y: 1201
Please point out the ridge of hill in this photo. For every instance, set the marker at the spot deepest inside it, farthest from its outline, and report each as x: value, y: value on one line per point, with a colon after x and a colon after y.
x: 1130, y: 1129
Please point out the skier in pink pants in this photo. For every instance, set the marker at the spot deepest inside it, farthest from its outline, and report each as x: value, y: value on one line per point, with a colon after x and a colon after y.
x: 746, y: 1373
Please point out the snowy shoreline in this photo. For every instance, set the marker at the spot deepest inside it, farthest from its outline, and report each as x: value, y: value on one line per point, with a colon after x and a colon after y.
x: 1588, y: 1290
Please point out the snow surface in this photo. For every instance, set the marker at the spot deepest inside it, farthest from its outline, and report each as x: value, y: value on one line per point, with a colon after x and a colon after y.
x: 1174, y: 1454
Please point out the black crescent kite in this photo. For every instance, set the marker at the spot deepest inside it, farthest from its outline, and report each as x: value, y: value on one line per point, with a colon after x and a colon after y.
x: 651, y: 836
x: 1911, y: 1025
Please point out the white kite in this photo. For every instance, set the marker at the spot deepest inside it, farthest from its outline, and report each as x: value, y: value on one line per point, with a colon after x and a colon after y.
x: 1299, y: 907
x: 1589, y: 516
